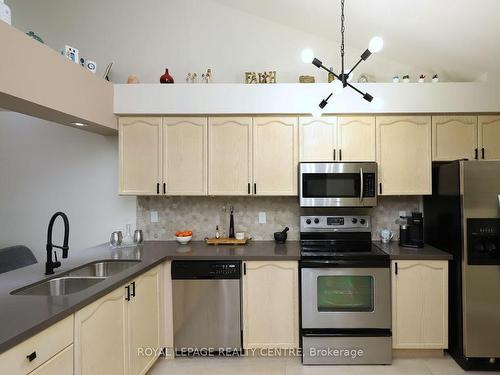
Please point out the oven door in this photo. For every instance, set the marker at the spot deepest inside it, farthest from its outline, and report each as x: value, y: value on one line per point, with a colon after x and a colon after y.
x: 337, y: 184
x: 345, y: 298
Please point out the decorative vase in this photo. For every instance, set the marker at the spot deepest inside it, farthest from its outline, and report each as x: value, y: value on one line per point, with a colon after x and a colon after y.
x: 395, y: 79
x: 166, y: 78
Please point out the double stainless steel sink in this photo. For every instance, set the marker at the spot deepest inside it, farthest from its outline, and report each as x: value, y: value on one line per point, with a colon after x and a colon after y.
x: 77, y: 279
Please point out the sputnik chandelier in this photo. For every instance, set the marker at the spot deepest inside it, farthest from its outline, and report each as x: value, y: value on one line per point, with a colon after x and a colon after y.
x: 341, y: 81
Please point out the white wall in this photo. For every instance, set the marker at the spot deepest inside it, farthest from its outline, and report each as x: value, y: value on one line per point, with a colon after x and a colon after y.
x: 44, y: 168
x: 144, y: 37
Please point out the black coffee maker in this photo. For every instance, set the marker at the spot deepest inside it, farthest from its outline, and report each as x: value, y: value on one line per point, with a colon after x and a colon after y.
x: 411, y: 230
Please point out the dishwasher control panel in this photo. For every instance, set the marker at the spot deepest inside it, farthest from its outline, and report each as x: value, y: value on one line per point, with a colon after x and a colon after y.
x: 196, y: 270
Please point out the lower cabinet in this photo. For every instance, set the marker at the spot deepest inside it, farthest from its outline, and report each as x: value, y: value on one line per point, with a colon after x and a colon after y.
x: 114, y: 334
x: 270, y: 305
x: 420, y: 304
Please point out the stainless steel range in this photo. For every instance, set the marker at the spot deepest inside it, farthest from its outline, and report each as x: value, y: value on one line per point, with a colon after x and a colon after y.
x: 345, y: 292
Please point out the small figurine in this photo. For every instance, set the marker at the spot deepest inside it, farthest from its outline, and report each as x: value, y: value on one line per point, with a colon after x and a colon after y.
x: 421, y: 79
x: 132, y: 79
x: 406, y: 78
x: 435, y: 78
x: 208, y: 76
x: 188, y: 78
x: 166, y: 78
x: 395, y: 79
x: 194, y: 78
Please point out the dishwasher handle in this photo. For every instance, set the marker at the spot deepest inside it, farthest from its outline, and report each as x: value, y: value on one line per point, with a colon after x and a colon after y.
x: 206, y: 270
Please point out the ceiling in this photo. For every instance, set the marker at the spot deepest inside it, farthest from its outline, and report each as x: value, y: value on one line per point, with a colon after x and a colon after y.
x: 460, y: 37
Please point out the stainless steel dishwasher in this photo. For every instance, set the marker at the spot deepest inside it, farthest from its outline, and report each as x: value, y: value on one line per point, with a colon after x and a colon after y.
x: 207, y: 307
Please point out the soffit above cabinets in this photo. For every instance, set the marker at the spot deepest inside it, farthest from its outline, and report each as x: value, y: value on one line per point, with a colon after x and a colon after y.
x: 296, y: 98
x: 38, y: 81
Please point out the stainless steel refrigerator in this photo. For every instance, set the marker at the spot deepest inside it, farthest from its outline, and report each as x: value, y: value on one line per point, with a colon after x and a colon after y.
x: 463, y: 217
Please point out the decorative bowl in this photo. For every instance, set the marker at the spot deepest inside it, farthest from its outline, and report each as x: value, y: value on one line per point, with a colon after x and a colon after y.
x: 183, y: 240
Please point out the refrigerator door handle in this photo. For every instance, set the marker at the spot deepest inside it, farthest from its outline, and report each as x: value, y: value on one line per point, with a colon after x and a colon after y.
x: 498, y: 200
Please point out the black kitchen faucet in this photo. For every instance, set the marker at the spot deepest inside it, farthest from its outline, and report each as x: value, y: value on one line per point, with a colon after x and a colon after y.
x: 50, y: 264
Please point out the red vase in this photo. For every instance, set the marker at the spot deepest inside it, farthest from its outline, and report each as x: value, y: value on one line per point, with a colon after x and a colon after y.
x: 166, y: 78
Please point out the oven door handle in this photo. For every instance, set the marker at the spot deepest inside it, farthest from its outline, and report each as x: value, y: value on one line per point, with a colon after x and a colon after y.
x: 362, y: 263
x: 361, y: 188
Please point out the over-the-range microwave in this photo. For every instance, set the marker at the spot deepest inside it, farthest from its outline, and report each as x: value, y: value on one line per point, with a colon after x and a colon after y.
x: 343, y: 184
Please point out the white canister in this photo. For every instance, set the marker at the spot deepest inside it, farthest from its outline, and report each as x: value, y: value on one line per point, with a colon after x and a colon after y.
x: 5, y: 14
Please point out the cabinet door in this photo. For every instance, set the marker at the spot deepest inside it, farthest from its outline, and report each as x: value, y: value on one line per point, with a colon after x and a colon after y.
x: 185, y: 155
x: 144, y: 320
x: 489, y: 137
x: 270, y: 305
x: 356, y: 138
x: 454, y: 137
x: 140, y: 155
x: 275, y: 155
x: 420, y: 304
x: 100, y: 336
x: 317, y: 138
x: 230, y: 155
x: 404, y: 155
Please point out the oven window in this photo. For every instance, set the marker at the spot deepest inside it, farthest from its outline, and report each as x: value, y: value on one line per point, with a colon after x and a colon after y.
x: 345, y: 293
x: 330, y: 185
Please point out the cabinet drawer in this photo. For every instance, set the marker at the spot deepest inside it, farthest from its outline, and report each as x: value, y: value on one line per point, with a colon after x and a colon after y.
x: 45, y: 344
x: 61, y: 364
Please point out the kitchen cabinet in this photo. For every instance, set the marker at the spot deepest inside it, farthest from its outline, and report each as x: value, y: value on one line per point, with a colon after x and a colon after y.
x: 100, y: 336
x: 270, y: 304
x: 40, y: 352
x: 356, y: 138
x: 318, y: 138
x: 130, y: 318
x: 454, y: 137
x: 404, y: 155
x: 185, y: 155
x: 420, y: 304
x: 275, y: 155
x: 230, y: 156
x: 140, y: 155
x: 489, y: 137
x: 60, y: 364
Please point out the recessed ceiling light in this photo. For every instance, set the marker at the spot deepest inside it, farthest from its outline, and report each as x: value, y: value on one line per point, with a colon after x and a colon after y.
x: 78, y: 124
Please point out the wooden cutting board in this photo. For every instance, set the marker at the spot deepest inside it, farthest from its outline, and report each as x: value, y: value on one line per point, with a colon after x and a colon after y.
x: 225, y: 241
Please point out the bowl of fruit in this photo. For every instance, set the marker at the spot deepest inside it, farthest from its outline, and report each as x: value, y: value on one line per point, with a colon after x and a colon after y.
x: 183, y: 236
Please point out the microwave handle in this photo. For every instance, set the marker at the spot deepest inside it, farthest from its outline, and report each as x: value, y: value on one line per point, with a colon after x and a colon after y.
x: 362, y: 187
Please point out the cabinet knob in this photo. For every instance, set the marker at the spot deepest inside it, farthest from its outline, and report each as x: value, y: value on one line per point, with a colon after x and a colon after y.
x: 31, y: 357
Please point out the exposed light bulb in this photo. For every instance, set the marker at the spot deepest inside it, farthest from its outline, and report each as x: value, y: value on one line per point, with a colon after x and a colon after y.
x: 376, y: 44
x: 307, y: 56
x: 377, y: 103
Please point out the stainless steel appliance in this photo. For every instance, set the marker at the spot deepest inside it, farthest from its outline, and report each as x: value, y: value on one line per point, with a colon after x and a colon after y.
x: 338, y: 184
x: 207, y: 307
x: 345, y: 292
x: 463, y: 217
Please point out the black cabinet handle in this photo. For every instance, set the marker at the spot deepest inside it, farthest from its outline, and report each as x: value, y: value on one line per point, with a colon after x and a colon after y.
x: 255, y: 188
x: 31, y: 357
x: 340, y: 154
x: 396, y: 268
x: 334, y: 154
x: 127, y: 297
x: 475, y: 154
x: 164, y: 188
x: 482, y: 152
x: 244, y: 268
x: 158, y: 188
x: 380, y: 188
x: 249, y: 188
x: 132, y: 294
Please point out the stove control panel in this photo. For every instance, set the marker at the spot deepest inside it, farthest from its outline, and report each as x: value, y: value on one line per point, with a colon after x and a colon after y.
x: 335, y: 223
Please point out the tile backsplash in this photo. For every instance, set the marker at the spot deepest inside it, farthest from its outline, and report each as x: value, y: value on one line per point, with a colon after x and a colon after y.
x: 203, y: 214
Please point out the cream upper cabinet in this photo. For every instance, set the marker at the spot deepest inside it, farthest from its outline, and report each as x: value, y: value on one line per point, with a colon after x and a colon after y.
x: 420, y: 304
x: 275, y: 155
x: 318, y: 138
x: 270, y: 305
x: 454, y: 137
x: 229, y: 155
x: 143, y: 320
x: 404, y: 155
x: 100, y: 339
x: 185, y: 155
x: 489, y: 137
x: 140, y: 155
x: 356, y: 138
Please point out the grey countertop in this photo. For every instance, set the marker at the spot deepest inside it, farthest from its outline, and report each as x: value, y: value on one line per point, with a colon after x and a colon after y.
x: 22, y: 316
x: 427, y: 252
